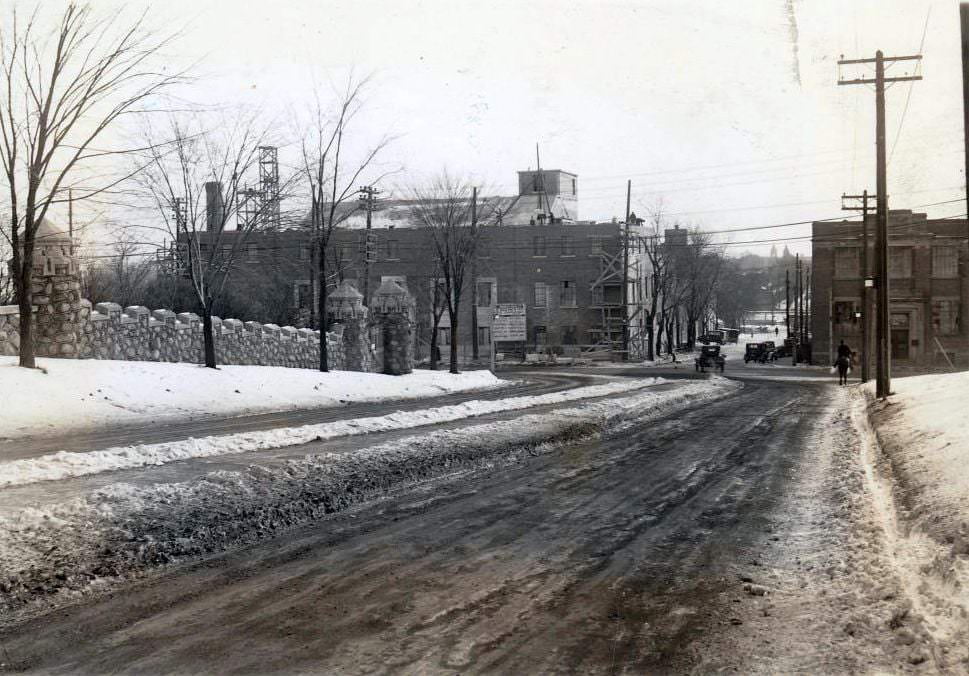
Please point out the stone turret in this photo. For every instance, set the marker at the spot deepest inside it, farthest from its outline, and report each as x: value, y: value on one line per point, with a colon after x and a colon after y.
x: 393, y: 310
x: 56, y: 292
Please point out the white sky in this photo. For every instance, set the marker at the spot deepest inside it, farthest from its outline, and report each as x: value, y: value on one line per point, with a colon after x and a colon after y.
x: 646, y: 90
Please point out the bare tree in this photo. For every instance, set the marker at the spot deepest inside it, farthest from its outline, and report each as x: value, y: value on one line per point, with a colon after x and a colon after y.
x: 60, y: 90
x: 659, y: 264
x: 444, y: 206
x: 332, y: 182
x: 195, y: 179
x: 121, y: 276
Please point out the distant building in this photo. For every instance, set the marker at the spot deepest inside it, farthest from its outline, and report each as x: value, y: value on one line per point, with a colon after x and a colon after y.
x: 927, y: 287
x: 568, y: 273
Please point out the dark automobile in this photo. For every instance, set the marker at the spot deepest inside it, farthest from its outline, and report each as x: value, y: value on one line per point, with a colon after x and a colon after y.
x: 785, y: 350
x: 709, y: 357
x: 707, y: 338
x: 760, y: 353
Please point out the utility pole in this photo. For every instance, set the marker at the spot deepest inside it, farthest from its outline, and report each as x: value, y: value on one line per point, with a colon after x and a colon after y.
x: 964, y: 23
x: 367, y: 195
x: 883, y: 382
x: 787, y: 300
x: 806, y: 305
x: 625, y: 276
x: 865, y: 294
x: 797, y: 307
x: 474, y: 275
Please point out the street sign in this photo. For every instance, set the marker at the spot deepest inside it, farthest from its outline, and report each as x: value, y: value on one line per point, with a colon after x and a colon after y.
x: 509, y: 323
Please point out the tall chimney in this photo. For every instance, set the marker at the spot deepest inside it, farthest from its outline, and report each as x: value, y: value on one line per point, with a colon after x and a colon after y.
x: 214, y: 206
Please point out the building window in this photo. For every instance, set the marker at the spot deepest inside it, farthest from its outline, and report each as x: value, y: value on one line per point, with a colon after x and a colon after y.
x: 444, y: 335
x: 541, y: 294
x: 568, y: 249
x: 945, y: 262
x: 484, y: 335
x: 304, y: 253
x: 595, y: 242
x: 303, y: 297
x: 573, y: 186
x: 899, y: 262
x: 538, y: 245
x: 391, y: 250
x: 846, y: 262
x: 844, y: 314
x: 483, y: 248
x: 945, y: 317
x: 598, y: 297
x: 569, y: 335
x: 252, y: 253
x: 486, y: 294
x: 567, y: 293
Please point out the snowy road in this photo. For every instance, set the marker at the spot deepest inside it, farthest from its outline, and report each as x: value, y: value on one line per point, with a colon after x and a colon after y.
x: 630, y: 552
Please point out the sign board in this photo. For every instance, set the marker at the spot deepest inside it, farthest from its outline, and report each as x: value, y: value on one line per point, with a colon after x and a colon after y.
x: 510, y: 309
x: 509, y: 323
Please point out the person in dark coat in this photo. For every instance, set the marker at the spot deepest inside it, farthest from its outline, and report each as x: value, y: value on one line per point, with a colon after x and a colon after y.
x: 843, y: 363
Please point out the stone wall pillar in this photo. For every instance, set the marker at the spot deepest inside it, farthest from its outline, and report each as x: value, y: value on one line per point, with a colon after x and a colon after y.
x: 393, y: 314
x: 56, y: 289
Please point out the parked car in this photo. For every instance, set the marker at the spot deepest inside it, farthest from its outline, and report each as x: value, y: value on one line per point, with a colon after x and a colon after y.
x: 709, y: 357
x: 760, y: 353
x: 714, y: 337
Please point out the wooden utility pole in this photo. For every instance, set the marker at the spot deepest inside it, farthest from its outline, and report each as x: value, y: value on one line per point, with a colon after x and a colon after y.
x: 797, y: 296
x: 883, y: 381
x: 787, y: 300
x: 625, y: 277
x: 864, y: 291
x: 474, y: 276
x: 964, y: 23
x: 367, y: 194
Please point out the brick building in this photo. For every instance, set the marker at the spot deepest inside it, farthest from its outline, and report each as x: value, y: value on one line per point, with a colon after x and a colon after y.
x: 927, y: 288
x: 568, y: 273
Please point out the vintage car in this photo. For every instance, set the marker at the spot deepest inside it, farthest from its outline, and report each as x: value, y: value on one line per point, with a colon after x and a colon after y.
x: 713, y: 337
x: 760, y: 353
x: 709, y: 357
x: 785, y: 350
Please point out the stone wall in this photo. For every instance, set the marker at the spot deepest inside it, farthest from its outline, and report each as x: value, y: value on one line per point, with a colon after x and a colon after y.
x: 135, y: 333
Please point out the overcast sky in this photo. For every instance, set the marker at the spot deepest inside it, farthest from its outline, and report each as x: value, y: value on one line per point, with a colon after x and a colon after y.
x: 727, y: 113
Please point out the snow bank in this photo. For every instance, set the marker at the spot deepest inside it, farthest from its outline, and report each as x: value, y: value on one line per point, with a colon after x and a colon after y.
x: 69, y: 394
x: 924, y: 430
x: 917, y: 445
x: 122, y: 529
x: 64, y: 464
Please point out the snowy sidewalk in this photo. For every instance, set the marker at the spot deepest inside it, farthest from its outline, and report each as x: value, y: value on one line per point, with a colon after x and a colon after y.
x: 919, y: 441
x: 65, y: 394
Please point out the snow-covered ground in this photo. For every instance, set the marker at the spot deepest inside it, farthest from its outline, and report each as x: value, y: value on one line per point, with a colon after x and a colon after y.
x: 63, y: 465
x: 72, y: 547
x: 67, y: 394
x: 917, y: 447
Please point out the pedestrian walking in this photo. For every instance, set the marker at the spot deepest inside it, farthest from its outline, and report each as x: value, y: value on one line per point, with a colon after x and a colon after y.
x: 776, y: 332
x: 843, y: 363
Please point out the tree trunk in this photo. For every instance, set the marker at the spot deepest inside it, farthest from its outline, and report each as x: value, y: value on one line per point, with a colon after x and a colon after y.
x: 23, y: 285
x: 25, y: 305
x: 649, y: 340
x: 321, y: 311
x: 207, y: 338
x: 454, y: 340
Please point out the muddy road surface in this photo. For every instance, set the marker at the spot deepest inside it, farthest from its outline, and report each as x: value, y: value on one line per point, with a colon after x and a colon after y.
x: 626, y: 554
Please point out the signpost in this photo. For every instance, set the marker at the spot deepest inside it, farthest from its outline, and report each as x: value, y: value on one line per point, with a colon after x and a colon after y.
x: 508, y: 326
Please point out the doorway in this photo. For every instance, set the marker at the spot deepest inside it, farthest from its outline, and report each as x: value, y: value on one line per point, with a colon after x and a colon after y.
x: 899, y: 343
